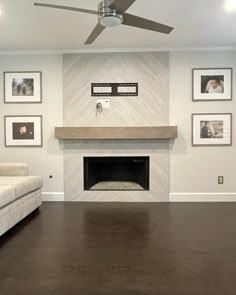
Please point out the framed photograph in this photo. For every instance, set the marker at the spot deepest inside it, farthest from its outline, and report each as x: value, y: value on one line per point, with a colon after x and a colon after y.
x: 212, y: 84
x: 211, y: 129
x: 23, y: 131
x: 22, y: 87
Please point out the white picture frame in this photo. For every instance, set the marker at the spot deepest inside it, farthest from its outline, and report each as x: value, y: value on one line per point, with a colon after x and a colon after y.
x: 22, y: 87
x: 23, y: 131
x: 212, y: 129
x: 213, y: 84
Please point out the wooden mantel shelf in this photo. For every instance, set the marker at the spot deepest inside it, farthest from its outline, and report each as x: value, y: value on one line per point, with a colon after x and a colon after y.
x: 159, y: 132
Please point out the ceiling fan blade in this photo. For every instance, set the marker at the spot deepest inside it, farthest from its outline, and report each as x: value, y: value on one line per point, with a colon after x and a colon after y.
x: 143, y: 23
x: 122, y: 5
x: 95, y: 33
x: 65, y: 8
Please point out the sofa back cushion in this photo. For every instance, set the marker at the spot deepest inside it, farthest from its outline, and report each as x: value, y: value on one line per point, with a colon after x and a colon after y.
x: 14, y: 169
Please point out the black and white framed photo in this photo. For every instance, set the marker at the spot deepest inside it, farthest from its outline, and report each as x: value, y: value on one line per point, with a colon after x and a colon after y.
x: 23, y: 131
x: 212, y: 84
x: 211, y: 129
x: 22, y: 87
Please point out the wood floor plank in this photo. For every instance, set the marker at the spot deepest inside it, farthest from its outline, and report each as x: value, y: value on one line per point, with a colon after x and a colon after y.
x: 122, y: 248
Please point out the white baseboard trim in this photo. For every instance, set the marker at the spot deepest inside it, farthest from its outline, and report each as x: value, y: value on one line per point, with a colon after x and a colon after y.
x: 174, y: 197
x: 203, y: 197
x: 53, y: 197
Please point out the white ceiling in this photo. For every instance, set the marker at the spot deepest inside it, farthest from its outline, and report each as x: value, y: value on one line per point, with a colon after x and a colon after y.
x: 198, y: 23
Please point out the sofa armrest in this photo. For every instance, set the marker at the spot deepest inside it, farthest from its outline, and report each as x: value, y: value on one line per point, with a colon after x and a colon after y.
x: 14, y: 169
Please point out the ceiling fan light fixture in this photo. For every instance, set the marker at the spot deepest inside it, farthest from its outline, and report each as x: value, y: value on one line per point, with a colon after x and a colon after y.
x: 111, y: 13
x: 107, y: 16
x: 111, y: 20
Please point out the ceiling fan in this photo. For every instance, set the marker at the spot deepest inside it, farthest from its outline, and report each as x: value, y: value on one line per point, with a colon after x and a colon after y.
x: 112, y: 13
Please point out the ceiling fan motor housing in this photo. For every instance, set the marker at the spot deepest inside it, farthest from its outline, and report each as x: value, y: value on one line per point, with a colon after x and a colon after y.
x: 107, y: 16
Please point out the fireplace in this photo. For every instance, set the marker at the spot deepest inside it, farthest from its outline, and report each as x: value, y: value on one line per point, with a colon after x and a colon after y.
x: 116, y: 173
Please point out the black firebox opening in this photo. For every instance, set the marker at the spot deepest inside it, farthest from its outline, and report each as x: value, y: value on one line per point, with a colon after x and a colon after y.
x: 119, y: 173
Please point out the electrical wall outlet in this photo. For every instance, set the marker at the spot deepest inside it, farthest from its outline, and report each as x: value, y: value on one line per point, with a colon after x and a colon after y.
x: 105, y: 102
x: 220, y: 179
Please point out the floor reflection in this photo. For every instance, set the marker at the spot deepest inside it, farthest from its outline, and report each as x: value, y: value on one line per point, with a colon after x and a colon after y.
x: 116, y: 228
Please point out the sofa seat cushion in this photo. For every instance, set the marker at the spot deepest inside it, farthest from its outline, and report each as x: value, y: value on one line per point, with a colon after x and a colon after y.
x: 7, y: 195
x: 22, y: 184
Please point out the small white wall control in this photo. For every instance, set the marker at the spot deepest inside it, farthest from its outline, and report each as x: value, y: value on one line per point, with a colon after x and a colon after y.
x: 105, y: 102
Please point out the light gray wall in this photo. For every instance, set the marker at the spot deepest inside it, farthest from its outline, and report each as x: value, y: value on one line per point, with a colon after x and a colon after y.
x: 48, y: 159
x: 195, y: 169
x: 149, y: 108
x: 192, y: 169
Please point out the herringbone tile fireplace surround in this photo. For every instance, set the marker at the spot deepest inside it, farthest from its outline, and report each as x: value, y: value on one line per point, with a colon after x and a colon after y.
x: 150, y: 108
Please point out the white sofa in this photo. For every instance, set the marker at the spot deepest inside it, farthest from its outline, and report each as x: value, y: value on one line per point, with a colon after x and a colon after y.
x: 20, y: 194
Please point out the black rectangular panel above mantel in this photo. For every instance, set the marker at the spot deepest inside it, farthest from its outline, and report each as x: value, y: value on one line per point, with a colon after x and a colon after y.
x: 114, y: 89
x: 76, y: 133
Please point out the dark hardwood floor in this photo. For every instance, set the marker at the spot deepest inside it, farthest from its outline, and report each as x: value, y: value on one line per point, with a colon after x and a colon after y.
x: 122, y: 249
